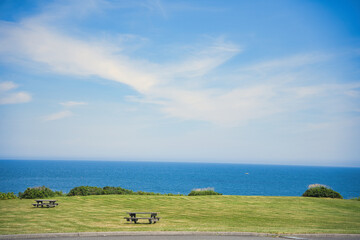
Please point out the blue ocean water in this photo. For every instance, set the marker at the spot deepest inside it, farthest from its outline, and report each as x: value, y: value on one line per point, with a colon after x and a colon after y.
x: 229, y: 179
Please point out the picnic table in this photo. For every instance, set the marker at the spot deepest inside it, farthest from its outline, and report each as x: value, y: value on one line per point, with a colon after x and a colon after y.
x: 133, y: 218
x: 45, y: 203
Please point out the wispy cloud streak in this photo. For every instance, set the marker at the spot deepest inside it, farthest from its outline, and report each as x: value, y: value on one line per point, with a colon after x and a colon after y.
x: 261, y: 89
x: 9, y: 97
x: 72, y: 103
x: 67, y: 55
x: 58, y: 115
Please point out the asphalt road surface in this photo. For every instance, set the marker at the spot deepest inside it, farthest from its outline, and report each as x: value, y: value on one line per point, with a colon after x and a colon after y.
x: 194, y: 237
x: 165, y: 238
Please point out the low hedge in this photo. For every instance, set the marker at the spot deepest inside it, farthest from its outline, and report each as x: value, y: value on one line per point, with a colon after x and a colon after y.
x: 39, y: 192
x: 88, y: 190
x: 116, y: 190
x: 85, y: 191
x: 203, y: 193
x: 6, y: 196
x: 321, y: 191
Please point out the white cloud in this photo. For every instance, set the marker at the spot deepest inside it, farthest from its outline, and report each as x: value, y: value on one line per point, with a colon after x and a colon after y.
x: 72, y: 103
x: 67, y: 55
x: 65, y: 113
x: 6, y: 86
x: 287, y: 62
x: 251, y: 97
x: 13, y: 98
x: 9, y: 97
x: 203, y: 59
x: 58, y: 115
x: 345, y: 89
x: 225, y: 108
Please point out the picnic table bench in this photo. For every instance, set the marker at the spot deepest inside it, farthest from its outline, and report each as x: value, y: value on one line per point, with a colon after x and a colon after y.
x: 133, y: 218
x: 45, y: 203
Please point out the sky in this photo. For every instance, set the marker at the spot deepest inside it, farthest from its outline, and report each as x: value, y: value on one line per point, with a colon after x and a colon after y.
x: 259, y: 82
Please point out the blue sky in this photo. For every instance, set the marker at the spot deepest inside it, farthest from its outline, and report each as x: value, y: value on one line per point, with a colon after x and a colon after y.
x: 274, y: 82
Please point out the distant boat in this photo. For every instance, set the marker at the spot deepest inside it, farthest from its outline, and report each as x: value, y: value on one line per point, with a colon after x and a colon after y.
x: 246, y: 173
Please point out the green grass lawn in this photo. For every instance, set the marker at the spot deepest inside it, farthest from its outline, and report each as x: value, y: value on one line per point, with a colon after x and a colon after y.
x: 183, y: 213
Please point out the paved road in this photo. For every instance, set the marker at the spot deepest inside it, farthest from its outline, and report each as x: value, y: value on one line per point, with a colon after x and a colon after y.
x: 165, y: 238
x: 195, y: 237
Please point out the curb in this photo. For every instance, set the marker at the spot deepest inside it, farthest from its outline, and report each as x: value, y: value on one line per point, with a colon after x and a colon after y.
x: 104, y: 234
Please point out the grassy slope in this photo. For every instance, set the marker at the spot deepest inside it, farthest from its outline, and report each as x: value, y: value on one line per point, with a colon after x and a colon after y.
x: 182, y: 213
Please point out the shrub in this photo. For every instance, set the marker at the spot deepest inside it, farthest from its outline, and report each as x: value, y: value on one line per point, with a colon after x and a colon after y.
x: 117, y: 190
x: 143, y: 193
x: 203, y: 191
x: 85, y: 191
x: 172, y: 194
x: 59, y: 193
x: 6, y: 196
x: 356, y: 199
x: 37, y: 192
x: 319, y: 190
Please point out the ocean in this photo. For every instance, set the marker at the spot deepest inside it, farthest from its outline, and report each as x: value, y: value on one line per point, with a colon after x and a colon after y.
x: 170, y: 177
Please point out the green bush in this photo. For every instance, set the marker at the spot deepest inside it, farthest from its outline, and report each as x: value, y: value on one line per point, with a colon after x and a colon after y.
x: 117, y: 190
x: 38, y: 192
x: 59, y: 193
x: 85, y: 191
x: 143, y: 193
x: 203, y: 191
x: 6, y: 196
x: 356, y: 199
x: 318, y: 190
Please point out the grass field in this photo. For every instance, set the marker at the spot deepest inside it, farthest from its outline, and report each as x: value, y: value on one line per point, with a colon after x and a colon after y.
x: 183, y: 213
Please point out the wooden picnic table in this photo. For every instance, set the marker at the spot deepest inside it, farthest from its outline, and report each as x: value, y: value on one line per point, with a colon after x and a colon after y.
x: 45, y: 202
x: 133, y: 218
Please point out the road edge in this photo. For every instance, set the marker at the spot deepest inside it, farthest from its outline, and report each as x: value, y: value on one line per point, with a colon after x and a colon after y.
x: 165, y: 233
